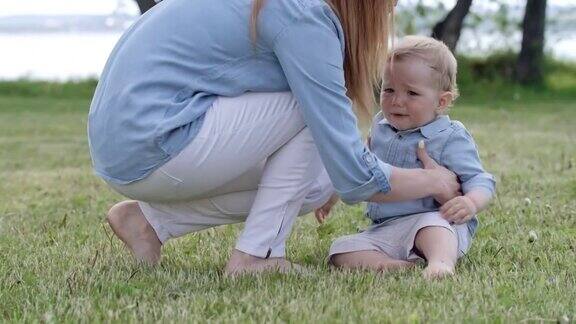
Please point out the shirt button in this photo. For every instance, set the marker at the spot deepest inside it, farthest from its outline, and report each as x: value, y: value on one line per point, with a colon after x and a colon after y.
x: 369, y: 158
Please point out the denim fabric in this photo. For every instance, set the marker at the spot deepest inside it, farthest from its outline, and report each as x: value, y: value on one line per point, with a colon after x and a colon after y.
x: 447, y: 142
x: 168, y: 68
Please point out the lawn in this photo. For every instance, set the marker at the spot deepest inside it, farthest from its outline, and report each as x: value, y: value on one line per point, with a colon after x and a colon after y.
x: 60, y: 263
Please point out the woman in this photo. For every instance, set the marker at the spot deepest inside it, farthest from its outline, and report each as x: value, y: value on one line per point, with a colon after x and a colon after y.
x: 216, y: 112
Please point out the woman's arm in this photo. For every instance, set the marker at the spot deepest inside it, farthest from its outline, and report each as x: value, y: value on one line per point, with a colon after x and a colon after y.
x: 434, y: 180
x: 311, y: 56
x: 310, y: 53
x: 407, y: 184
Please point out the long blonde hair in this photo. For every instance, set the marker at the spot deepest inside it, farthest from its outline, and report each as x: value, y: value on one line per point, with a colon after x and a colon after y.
x: 367, y: 25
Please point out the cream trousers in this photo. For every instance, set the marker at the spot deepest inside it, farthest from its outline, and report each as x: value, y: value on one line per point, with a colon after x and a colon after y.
x: 253, y: 161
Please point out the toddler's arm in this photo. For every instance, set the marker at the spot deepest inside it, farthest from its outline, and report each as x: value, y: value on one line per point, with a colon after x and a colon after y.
x: 323, y: 212
x: 461, y: 156
x: 461, y: 209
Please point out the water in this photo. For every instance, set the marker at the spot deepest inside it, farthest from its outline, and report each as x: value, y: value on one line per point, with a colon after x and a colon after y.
x: 54, y: 56
x: 65, y: 56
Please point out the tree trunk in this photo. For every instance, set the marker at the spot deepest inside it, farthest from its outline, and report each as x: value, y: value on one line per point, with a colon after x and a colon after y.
x: 530, y: 60
x: 448, y: 30
x: 144, y: 5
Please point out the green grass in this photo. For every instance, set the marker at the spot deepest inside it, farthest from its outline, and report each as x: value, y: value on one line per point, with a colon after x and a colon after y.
x: 60, y: 263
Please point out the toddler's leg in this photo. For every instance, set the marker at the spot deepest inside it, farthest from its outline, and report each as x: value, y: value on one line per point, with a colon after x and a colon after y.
x: 370, y: 260
x: 440, y: 248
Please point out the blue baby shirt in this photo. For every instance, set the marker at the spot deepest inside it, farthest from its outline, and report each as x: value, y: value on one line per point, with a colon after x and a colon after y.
x: 168, y: 68
x: 447, y: 142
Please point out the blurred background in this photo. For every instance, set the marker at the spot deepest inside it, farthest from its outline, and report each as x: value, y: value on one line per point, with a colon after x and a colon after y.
x: 70, y: 39
x: 59, y: 262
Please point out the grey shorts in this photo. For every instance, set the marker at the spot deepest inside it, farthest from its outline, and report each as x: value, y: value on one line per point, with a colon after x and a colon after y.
x: 395, y: 238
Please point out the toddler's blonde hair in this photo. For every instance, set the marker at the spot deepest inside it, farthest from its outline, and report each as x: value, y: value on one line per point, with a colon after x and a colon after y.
x: 434, y: 53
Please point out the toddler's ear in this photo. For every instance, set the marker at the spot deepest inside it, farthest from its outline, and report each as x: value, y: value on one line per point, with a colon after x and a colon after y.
x: 444, y: 102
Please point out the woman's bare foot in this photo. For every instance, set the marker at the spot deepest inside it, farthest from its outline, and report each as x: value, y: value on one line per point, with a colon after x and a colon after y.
x: 438, y: 270
x: 130, y: 225
x: 241, y: 263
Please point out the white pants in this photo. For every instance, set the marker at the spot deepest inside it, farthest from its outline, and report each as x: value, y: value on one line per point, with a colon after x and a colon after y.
x: 253, y: 160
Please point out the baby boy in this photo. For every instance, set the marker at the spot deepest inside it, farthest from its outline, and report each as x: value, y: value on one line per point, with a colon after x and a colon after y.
x: 419, y: 86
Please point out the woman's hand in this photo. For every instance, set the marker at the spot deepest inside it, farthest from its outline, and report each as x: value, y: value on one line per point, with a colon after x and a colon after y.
x: 433, y: 181
x: 323, y: 212
x: 447, y: 181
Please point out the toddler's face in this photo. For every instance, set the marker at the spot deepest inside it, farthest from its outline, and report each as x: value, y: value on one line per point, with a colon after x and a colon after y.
x: 410, y: 95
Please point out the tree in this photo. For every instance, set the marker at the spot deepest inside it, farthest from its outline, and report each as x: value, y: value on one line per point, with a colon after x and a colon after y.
x: 530, y: 60
x: 144, y: 5
x: 448, y: 30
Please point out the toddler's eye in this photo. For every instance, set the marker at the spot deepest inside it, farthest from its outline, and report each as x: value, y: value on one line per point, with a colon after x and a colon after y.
x: 388, y: 90
x: 412, y: 93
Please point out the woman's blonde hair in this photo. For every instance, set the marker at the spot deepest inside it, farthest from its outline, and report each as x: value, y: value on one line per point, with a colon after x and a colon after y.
x: 367, y: 25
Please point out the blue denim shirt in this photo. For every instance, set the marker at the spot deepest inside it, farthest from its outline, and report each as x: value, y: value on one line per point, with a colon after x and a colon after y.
x: 447, y: 142
x: 167, y: 69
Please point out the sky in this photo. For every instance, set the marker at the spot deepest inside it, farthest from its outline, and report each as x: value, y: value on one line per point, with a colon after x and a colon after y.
x: 76, y: 7
x: 63, y: 7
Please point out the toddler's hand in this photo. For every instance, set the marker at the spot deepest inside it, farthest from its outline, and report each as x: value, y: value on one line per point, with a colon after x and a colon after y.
x: 458, y: 210
x: 323, y: 212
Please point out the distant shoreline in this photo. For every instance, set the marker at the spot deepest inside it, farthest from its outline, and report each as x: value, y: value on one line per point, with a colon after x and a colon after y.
x: 80, y: 54
x: 65, y: 23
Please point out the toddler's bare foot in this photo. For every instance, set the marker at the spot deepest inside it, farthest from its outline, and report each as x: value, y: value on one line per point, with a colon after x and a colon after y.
x: 369, y: 260
x: 241, y: 263
x: 130, y: 225
x: 438, y: 270
x: 394, y: 265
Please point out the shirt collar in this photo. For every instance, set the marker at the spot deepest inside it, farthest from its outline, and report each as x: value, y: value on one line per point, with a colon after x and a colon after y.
x: 429, y: 130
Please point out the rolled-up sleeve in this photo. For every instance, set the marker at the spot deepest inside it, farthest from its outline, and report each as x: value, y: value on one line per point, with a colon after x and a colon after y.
x: 461, y: 156
x: 310, y: 52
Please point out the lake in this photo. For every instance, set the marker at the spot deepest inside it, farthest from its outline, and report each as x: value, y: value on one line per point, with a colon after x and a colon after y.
x: 65, y: 56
